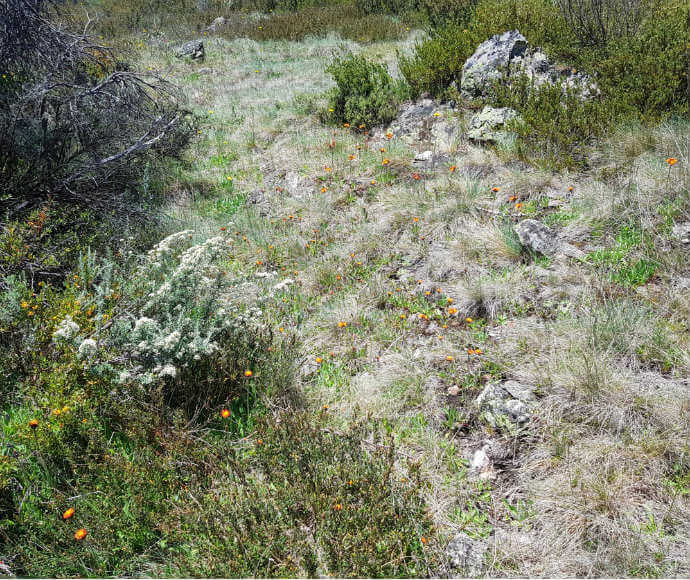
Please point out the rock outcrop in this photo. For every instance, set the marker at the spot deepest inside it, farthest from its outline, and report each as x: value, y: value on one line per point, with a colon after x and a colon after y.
x: 509, y: 55
x: 510, y: 401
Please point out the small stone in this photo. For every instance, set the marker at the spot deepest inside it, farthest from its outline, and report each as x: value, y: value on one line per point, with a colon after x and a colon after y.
x: 453, y: 391
x: 467, y: 555
x: 682, y: 232
x: 193, y: 49
x: 543, y: 240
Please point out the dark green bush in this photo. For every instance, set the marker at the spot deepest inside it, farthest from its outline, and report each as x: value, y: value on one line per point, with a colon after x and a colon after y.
x: 365, y: 94
x: 441, y: 14
x: 647, y: 74
x: 557, y: 126
x: 596, y: 22
x: 318, y: 21
x: 437, y: 61
x: 387, y: 6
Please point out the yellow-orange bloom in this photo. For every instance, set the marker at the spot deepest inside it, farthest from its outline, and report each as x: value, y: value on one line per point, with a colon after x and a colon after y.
x: 248, y: 373
x: 385, y: 162
x: 225, y: 413
x: 452, y: 168
x: 80, y: 534
x: 68, y: 513
x: 495, y: 189
x: 449, y: 358
x: 319, y: 360
x: 672, y: 161
x: 342, y: 324
x: 33, y: 423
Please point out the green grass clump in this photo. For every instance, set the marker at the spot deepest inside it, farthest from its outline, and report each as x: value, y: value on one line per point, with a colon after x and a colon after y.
x: 365, y: 95
x: 623, y: 261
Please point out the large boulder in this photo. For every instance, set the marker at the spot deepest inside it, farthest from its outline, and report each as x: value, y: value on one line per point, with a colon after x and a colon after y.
x: 490, y: 61
x: 194, y: 49
x: 487, y: 125
x: 509, y: 55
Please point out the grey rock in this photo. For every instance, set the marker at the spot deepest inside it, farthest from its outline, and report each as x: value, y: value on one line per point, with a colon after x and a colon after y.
x: 511, y: 401
x: 193, y: 49
x: 487, y: 124
x: 682, y: 232
x: 467, y: 554
x: 509, y: 55
x: 216, y: 25
x: 491, y: 59
x: 424, y: 157
x: 543, y: 240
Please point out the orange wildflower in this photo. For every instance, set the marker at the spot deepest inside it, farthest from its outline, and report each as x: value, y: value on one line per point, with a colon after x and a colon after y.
x: 495, y: 189
x: 671, y: 161
x: 452, y: 168
x: 385, y: 162
x: 416, y: 176
x: 342, y: 324
x: 68, y: 513
x: 319, y: 360
x: 389, y: 135
x: 225, y: 413
x: 248, y: 373
x: 337, y: 507
x: 80, y: 534
x: 449, y: 358
x: 33, y: 423
x: 382, y: 150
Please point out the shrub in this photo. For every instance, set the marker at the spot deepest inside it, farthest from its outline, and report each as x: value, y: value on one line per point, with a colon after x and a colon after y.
x: 365, y: 94
x: 319, y: 21
x: 437, y: 61
x: 647, y: 74
x: 387, y: 6
x: 556, y: 125
x: 596, y: 22
x: 79, y: 128
x: 441, y: 14
x: 305, y: 501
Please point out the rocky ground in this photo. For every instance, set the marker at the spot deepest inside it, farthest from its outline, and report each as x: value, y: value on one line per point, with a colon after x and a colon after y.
x: 488, y: 313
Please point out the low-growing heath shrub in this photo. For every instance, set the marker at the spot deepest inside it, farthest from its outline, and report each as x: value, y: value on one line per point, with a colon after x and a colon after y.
x: 365, y: 95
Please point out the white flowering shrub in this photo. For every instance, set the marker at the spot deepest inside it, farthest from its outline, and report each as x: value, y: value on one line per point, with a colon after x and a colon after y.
x: 66, y: 330
x: 187, y: 326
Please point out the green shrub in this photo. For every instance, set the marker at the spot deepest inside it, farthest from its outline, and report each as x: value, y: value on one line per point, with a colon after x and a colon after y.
x: 596, y: 22
x: 387, y: 6
x: 556, y: 126
x: 437, y: 61
x: 305, y: 501
x: 319, y: 21
x: 441, y: 14
x: 647, y: 74
x: 365, y: 94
